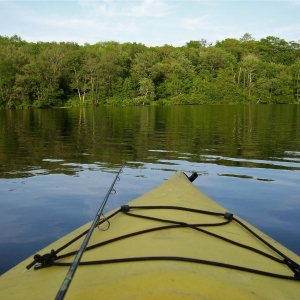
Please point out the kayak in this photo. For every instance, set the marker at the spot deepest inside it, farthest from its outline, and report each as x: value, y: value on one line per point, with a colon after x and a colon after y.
x: 173, y: 242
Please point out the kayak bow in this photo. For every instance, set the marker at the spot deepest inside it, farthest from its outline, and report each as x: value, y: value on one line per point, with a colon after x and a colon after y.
x: 172, y: 243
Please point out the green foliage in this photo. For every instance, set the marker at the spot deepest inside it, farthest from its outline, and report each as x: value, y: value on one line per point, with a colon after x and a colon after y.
x: 147, y: 89
x: 109, y: 73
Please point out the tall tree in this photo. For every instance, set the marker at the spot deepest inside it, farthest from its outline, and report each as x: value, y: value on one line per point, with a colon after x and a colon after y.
x: 147, y: 90
x: 296, y: 76
x: 40, y: 78
x: 142, y: 65
x: 215, y: 58
x: 249, y: 65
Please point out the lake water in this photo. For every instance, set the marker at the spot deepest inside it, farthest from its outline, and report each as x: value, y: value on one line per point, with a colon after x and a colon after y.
x: 57, y: 165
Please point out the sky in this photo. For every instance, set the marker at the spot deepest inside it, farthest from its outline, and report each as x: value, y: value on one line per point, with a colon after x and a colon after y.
x: 151, y: 22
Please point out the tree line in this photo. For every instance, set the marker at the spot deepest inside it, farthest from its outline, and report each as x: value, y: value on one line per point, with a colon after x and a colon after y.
x: 244, y: 70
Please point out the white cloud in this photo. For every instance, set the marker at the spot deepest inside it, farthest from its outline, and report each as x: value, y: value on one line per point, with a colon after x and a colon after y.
x: 295, y: 2
x: 105, y: 7
x: 193, y: 24
x: 113, y: 8
x: 288, y: 32
x: 87, y: 25
x: 151, y: 8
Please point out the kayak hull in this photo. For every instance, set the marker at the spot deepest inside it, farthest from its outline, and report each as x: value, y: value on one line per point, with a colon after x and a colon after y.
x: 164, y: 273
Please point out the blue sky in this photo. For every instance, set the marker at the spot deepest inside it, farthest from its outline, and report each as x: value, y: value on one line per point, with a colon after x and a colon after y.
x: 151, y: 22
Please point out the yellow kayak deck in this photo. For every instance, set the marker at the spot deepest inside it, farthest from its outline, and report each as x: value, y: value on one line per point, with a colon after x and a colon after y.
x: 175, y: 250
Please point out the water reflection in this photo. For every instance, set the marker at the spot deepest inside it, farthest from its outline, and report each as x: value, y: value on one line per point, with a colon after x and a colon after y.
x: 112, y: 135
x: 275, y: 163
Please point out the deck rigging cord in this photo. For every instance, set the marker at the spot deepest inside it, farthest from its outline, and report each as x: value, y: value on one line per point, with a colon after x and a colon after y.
x: 67, y: 281
x: 125, y: 209
x: 223, y: 219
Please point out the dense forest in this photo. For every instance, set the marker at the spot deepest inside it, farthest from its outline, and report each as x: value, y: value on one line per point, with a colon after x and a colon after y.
x: 54, y: 74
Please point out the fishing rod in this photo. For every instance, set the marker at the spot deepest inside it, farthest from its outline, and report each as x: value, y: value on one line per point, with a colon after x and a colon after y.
x: 67, y: 281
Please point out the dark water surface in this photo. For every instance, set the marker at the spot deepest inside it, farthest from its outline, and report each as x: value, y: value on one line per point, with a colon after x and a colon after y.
x: 57, y: 165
